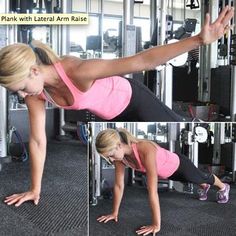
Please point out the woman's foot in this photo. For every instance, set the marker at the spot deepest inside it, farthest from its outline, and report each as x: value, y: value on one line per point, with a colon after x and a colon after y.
x: 222, y: 196
x: 203, y: 192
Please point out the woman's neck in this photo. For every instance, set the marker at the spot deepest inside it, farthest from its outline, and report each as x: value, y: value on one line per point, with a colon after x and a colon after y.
x: 128, y: 151
x: 51, y: 77
x: 129, y: 157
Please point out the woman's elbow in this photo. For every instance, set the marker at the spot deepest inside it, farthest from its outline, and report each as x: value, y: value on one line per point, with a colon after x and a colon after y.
x: 119, y: 186
x: 39, y: 142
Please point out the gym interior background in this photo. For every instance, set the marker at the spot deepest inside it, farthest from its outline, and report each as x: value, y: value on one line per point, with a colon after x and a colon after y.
x: 201, y: 87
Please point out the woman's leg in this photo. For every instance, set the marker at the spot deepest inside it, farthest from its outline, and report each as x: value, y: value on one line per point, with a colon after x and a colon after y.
x: 187, y: 171
x: 145, y: 106
x: 218, y: 183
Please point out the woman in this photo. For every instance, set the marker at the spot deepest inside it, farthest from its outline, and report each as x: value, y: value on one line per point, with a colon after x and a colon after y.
x: 36, y: 73
x: 122, y: 149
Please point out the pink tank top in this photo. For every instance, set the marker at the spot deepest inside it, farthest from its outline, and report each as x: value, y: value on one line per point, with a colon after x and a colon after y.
x: 166, y: 162
x: 106, y: 98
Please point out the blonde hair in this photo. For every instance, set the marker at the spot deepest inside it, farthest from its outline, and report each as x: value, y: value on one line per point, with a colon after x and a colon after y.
x: 16, y: 60
x: 108, y: 139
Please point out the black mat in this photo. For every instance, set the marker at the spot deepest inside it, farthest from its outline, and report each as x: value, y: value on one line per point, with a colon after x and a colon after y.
x: 62, y: 210
x: 182, y: 215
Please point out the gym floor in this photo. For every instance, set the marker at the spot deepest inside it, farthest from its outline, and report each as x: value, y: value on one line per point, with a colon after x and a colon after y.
x: 182, y: 214
x: 63, y: 207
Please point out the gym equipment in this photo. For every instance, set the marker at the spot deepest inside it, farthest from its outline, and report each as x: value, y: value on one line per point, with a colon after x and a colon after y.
x: 110, y: 37
x: 193, y: 4
x: 201, y: 134
x: 83, y: 132
x: 24, y: 154
x: 93, y: 42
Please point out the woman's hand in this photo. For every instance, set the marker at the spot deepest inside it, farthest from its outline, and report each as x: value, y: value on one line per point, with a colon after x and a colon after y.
x: 149, y: 229
x: 211, y: 32
x: 107, y: 218
x: 19, y: 198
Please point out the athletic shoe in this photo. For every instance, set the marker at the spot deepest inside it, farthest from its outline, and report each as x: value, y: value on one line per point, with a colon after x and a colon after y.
x: 222, y: 196
x: 203, y: 192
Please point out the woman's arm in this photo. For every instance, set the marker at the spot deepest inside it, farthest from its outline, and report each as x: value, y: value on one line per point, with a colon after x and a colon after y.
x: 149, y: 161
x: 118, y: 193
x: 119, y: 186
x: 37, y: 149
x: 89, y: 70
x: 37, y: 141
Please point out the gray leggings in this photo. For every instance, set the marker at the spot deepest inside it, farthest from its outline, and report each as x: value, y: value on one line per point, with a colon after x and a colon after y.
x: 188, y: 172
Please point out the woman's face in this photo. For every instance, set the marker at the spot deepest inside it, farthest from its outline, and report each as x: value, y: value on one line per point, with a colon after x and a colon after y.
x: 30, y: 86
x: 116, y: 154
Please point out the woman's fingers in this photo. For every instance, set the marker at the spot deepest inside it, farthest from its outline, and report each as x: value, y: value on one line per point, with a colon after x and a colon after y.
x: 20, y: 198
x: 145, y: 230
x: 13, y: 200
x: 11, y: 197
x: 101, y: 218
x: 207, y: 19
x: 222, y: 14
x: 227, y: 17
x: 36, y: 201
x: 142, y: 230
x: 148, y: 231
x: 106, y: 218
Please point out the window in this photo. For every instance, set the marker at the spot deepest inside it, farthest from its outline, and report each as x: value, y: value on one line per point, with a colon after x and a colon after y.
x: 79, y: 5
x: 110, y: 37
x: 145, y: 26
x: 79, y: 34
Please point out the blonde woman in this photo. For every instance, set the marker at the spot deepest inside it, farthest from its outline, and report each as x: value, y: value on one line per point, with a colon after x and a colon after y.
x: 37, y: 74
x: 122, y: 149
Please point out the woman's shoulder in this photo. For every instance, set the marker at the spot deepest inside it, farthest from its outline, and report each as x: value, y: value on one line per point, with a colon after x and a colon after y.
x: 70, y: 64
x: 70, y: 61
x: 144, y: 146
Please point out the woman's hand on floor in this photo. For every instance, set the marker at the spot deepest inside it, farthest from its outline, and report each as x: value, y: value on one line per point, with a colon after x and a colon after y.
x: 149, y: 229
x: 107, y: 218
x: 19, y: 198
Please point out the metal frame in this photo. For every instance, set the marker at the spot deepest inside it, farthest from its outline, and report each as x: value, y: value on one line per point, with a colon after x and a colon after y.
x: 173, y: 129
x: 234, y: 162
x: 213, y: 52
x: 3, y: 95
x: 63, y: 49
x: 233, y: 82
x: 95, y: 162
x: 164, y: 77
x: 128, y: 29
x: 203, y: 62
x: 153, y: 15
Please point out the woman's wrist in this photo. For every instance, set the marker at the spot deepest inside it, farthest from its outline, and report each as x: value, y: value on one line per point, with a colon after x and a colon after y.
x: 36, y: 191
x: 115, y: 213
x: 198, y: 40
